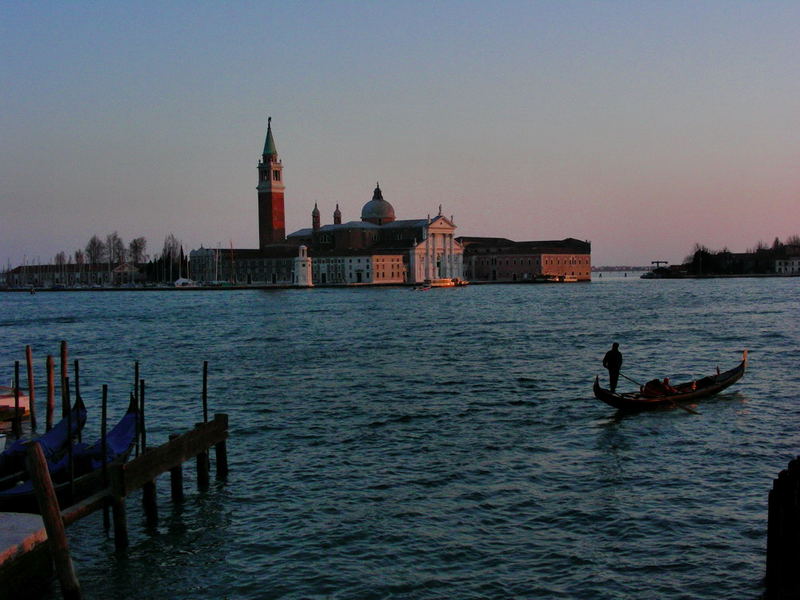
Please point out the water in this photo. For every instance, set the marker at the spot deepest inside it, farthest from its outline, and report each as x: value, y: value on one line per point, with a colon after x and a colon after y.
x: 444, y: 444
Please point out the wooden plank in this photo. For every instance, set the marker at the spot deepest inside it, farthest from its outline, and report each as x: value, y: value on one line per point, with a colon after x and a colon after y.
x: 158, y: 460
x: 84, y: 508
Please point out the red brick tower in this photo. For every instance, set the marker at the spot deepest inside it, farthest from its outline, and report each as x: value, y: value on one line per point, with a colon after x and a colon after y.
x: 271, y: 221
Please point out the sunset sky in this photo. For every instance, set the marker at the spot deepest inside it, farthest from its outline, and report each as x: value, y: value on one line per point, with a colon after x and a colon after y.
x: 643, y: 127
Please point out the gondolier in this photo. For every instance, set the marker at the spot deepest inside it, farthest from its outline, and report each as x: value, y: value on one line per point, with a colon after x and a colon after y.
x: 613, y: 362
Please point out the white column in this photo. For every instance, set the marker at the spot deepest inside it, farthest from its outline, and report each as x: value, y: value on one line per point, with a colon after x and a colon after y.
x: 434, y: 270
x: 451, y: 257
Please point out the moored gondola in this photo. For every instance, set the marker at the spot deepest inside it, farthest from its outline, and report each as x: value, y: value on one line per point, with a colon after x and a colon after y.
x: 647, y: 399
x: 54, y: 444
x: 87, y: 463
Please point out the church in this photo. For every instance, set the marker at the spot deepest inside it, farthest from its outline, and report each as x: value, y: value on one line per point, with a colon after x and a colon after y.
x: 377, y: 250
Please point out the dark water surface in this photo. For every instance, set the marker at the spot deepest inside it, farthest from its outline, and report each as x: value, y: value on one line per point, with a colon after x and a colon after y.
x: 444, y: 444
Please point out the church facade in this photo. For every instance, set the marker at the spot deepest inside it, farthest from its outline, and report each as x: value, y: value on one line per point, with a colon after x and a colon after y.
x: 376, y: 250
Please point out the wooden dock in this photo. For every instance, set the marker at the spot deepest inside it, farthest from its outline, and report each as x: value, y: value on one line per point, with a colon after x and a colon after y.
x: 22, y: 536
x: 32, y: 547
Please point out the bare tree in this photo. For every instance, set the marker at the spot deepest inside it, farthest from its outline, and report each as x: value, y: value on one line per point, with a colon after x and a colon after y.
x: 136, y: 250
x: 115, y: 249
x: 95, y: 250
x: 793, y: 240
x: 61, y: 258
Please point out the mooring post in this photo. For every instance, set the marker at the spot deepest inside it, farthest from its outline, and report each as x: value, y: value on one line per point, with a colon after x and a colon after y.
x: 51, y: 392
x: 16, y: 421
x: 120, y: 522
x: 70, y: 462
x: 202, y: 467
x: 221, y: 449
x: 78, y: 393
x: 136, y: 380
x: 31, y: 387
x: 176, y: 477
x: 104, y: 449
x: 142, y: 428
x: 54, y: 525
x: 118, y: 511
x: 64, y: 393
x: 205, y: 391
x: 136, y: 393
x: 783, y: 542
x: 150, y: 503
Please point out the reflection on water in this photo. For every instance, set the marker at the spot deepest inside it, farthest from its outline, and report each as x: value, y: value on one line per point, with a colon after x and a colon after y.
x: 387, y: 444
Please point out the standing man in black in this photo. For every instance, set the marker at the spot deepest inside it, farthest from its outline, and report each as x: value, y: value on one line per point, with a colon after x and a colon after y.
x: 613, y: 362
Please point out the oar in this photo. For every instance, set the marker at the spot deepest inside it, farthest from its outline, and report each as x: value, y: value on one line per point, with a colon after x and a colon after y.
x: 631, y: 380
x: 686, y: 408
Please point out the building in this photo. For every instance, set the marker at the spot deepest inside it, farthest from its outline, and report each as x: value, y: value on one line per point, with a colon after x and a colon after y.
x: 376, y: 250
x: 488, y: 259
x: 789, y: 265
x: 73, y: 275
x: 391, y: 251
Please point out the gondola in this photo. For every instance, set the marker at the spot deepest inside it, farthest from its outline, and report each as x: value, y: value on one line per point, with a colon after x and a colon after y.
x: 54, y: 444
x: 87, y: 463
x: 645, y: 399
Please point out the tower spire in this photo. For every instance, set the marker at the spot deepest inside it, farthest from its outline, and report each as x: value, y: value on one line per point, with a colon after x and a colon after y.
x: 269, y: 144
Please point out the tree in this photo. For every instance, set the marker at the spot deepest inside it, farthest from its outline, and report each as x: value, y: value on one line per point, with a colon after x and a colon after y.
x: 115, y: 249
x: 136, y: 250
x: 170, y: 252
x: 95, y: 250
x: 61, y: 259
x: 80, y: 257
x: 793, y: 240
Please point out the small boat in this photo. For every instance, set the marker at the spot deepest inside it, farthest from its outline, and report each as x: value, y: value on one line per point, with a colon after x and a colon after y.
x: 87, y: 463
x: 648, y: 398
x: 8, y: 403
x: 54, y: 444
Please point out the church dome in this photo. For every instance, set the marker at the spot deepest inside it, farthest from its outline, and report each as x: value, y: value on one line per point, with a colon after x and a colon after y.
x: 377, y: 210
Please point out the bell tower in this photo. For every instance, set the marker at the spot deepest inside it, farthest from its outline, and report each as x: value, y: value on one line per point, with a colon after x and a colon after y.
x: 271, y: 221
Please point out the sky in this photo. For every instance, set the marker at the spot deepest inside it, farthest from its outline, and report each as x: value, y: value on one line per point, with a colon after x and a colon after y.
x: 643, y: 127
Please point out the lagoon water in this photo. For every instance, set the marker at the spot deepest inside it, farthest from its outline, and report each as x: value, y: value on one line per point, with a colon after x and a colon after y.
x: 387, y: 443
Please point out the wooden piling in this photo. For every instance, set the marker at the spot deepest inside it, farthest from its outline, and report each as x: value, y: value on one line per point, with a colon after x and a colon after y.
x: 64, y: 376
x: 150, y: 503
x: 16, y: 422
x: 136, y: 380
x: 104, y: 449
x: 51, y: 392
x: 70, y: 461
x: 54, y: 525
x: 136, y: 393
x: 205, y: 391
x: 783, y: 534
x: 221, y: 450
x: 120, y: 522
x: 176, y: 477
x: 142, y: 428
x: 202, y: 467
x: 78, y: 393
x: 77, y: 378
x: 31, y: 387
